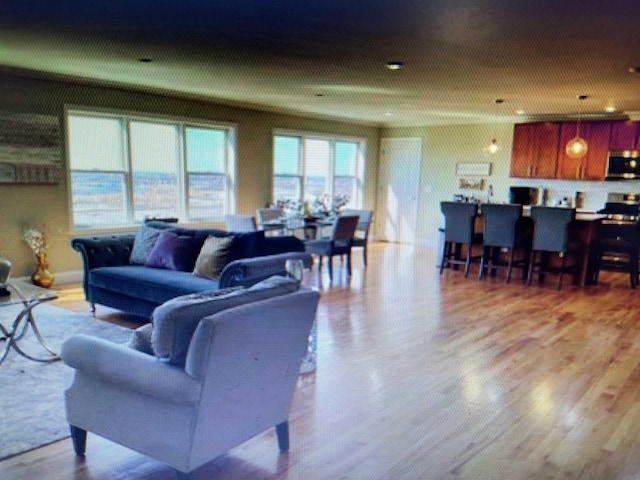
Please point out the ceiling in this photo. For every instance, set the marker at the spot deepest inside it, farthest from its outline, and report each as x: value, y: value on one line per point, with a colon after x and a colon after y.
x: 327, y: 57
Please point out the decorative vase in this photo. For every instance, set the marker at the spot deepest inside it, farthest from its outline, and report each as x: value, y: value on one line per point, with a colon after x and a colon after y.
x: 42, y: 277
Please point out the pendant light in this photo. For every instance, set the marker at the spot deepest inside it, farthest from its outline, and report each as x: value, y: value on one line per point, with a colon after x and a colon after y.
x: 577, y: 147
x: 493, y: 148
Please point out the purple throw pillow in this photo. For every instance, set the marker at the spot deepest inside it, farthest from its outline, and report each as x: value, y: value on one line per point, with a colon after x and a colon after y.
x: 174, y: 252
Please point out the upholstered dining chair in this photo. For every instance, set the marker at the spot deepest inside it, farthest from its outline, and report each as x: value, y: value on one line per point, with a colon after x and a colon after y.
x: 551, y: 236
x: 236, y: 381
x: 361, y: 235
x: 240, y: 223
x: 503, y: 230
x: 459, y: 230
x: 338, y: 244
x: 266, y: 215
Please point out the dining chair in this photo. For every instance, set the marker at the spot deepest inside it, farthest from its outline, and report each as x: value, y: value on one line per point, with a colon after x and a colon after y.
x: 241, y: 223
x: 338, y: 244
x: 551, y: 236
x: 268, y: 219
x: 459, y: 230
x: 503, y: 230
x: 361, y: 235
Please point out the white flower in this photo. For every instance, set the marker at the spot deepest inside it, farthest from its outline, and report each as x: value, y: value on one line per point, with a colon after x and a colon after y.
x: 36, y: 240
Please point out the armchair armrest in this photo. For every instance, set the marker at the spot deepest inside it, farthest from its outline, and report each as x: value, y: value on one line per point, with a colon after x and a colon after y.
x: 249, y: 271
x: 132, y: 370
x: 102, y: 251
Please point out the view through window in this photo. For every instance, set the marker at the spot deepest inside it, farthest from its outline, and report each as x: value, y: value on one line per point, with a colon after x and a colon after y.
x: 125, y: 169
x: 309, y: 167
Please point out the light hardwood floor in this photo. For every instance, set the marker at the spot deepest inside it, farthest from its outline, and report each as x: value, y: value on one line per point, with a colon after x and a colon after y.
x: 429, y: 377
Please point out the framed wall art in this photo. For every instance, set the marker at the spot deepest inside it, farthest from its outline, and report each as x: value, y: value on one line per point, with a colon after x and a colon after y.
x: 29, y: 148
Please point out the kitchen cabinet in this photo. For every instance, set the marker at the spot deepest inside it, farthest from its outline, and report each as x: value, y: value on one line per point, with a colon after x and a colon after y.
x: 535, y: 150
x: 624, y: 136
x: 593, y: 165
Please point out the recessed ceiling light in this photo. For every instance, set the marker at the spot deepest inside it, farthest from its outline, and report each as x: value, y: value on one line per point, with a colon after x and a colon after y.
x: 520, y: 112
x: 610, y: 109
x: 388, y: 114
x: 394, y: 65
x: 145, y: 60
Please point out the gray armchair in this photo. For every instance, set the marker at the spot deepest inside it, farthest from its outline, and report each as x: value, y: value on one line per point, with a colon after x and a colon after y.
x: 238, y: 379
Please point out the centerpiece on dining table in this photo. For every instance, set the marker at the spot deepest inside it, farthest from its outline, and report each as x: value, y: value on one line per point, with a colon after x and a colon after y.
x: 317, y: 208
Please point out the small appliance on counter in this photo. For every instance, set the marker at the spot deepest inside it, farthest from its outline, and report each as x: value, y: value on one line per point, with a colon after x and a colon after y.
x: 524, y: 195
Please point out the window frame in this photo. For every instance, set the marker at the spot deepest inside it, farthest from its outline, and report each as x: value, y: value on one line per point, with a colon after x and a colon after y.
x: 302, y: 175
x: 181, y: 124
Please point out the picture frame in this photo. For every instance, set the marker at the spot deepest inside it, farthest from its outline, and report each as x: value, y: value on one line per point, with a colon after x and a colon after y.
x: 30, y: 151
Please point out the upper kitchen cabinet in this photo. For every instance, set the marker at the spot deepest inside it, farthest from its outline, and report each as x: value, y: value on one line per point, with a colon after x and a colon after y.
x: 624, y: 136
x: 535, y: 150
x: 593, y: 165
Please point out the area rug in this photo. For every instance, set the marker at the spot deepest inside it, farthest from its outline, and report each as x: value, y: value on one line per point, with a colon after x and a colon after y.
x: 32, y: 393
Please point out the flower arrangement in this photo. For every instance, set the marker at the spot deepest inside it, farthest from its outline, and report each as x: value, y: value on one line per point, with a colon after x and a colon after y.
x: 327, y: 206
x: 36, y: 240
x: 320, y: 206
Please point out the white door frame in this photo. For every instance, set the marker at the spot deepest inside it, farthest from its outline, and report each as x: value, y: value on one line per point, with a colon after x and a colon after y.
x: 398, y: 189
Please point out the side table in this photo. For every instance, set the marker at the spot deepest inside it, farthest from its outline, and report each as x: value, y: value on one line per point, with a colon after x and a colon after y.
x: 29, y: 296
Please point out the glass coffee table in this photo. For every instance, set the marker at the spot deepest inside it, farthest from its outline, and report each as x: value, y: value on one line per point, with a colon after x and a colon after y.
x: 28, y: 296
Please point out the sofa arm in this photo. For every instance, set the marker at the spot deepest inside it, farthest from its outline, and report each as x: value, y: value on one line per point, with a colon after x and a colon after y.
x: 102, y: 251
x: 249, y: 271
x: 130, y: 369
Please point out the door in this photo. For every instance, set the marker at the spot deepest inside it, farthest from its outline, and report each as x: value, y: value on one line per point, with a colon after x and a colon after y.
x: 399, y: 189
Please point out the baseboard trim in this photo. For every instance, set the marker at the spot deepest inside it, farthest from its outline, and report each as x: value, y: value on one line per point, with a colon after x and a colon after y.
x: 62, y: 278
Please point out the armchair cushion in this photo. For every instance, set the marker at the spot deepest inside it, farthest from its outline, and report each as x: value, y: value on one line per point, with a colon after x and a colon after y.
x: 174, y: 252
x: 141, y: 339
x: 175, y: 321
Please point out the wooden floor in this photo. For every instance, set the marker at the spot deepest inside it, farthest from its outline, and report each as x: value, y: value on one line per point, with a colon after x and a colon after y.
x: 429, y: 377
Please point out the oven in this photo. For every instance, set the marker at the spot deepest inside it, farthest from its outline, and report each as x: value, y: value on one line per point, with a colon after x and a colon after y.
x: 621, y: 209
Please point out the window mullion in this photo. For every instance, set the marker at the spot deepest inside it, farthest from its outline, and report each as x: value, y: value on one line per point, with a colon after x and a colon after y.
x: 128, y: 169
x: 302, y: 165
x: 183, y: 173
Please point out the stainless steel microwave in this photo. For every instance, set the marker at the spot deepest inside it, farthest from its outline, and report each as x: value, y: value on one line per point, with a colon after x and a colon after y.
x: 623, y: 165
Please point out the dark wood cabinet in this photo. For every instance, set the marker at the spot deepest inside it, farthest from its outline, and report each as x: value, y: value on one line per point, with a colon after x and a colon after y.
x: 539, y: 148
x: 535, y: 150
x: 593, y: 165
x: 624, y: 136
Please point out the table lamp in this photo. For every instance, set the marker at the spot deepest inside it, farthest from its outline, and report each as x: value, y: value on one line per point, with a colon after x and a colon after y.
x: 5, y: 271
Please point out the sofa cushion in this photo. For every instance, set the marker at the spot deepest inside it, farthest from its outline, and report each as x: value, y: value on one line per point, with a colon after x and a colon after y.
x: 213, y: 257
x: 247, y: 245
x: 151, y: 284
x: 144, y: 242
x: 174, y: 252
x: 201, y: 233
x: 175, y: 321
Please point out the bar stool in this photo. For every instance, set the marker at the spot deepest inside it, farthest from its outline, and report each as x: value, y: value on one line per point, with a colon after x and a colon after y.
x: 504, y: 229
x: 616, y: 250
x: 459, y: 227
x: 551, y: 235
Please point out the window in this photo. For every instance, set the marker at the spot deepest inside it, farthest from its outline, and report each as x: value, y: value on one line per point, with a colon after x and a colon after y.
x: 306, y: 167
x: 126, y: 168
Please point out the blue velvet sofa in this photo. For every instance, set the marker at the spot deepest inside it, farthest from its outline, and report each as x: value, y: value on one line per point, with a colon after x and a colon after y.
x: 111, y: 279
